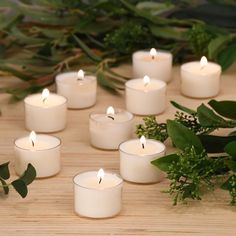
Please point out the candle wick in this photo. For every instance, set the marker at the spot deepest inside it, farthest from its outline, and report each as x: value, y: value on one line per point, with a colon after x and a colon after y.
x: 44, y: 100
x: 153, y: 57
x: 100, y: 180
x: 143, y: 145
x: 111, y: 117
x: 32, y: 143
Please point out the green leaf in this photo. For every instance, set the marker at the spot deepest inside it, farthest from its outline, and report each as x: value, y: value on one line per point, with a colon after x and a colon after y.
x: 164, y: 162
x: 183, y: 108
x: 226, y: 185
x: 20, y: 186
x: 29, y: 175
x: 217, y: 44
x: 207, y: 118
x: 232, y: 133
x: 231, y: 149
x: 105, y: 82
x: 4, y: 171
x: 4, y: 186
x: 227, y: 57
x: 224, y: 108
x: 182, y: 137
x: 231, y: 164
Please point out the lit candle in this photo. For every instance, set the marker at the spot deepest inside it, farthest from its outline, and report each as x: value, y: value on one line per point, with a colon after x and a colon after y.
x: 155, y: 64
x: 145, y: 96
x: 45, y: 112
x: 135, y: 160
x: 78, y: 88
x: 200, y: 79
x: 42, y: 151
x: 108, y: 130
x: 97, y: 194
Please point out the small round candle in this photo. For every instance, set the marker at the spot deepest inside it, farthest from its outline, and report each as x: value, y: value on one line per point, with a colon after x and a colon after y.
x: 155, y: 64
x: 108, y: 130
x: 145, y: 96
x: 135, y: 160
x: 42, y: 151
x: 80, y: 90
x: 200, y: 79
x: 97, y: 194
x: 45, y: 112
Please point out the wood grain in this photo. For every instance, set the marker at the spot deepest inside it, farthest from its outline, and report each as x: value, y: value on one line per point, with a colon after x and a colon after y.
x: 48, y: 209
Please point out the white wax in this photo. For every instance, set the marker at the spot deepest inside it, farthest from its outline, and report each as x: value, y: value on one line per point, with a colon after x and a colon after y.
x: 106, y: 133
x: 200, y: 83
x: 44, y: 155
x: 145, y: 100
x: 45, y: 117
x: 135, y: 162
x: 95, y: 200
x: 79, y: 93
x: 159, y: 68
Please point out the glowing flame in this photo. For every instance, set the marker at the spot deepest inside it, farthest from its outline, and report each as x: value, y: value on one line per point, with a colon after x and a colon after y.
x: 146, y: 80
x: 153, y: 52
x: 110, y: 111
x: 100, y: 175
x: 143, y: 141
x: 32, y: 138
x: 45, y: 95
x: 203, y: 62
x: 80, y: 74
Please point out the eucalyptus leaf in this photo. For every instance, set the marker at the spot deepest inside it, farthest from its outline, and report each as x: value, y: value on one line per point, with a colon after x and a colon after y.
x: 231, y: 164
x: 4, y: 171
x: 105, y: 82
x: 20, y: 186
x: 183, y: 108
x: 163, y: 163
x: 29, y: 175
x: 4, y: 186
x: 227, y: 56
x: 231, y: 149
x: 226, y: 185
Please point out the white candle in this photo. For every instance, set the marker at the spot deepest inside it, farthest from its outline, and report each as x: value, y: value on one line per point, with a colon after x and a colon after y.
x: 45, y: 112
x: 108, y: 130
x: 135, y: 160
x: 97, y: 194
x: 145, y: 96
x: 80, y: 90
x: 155, y: 64
x: 200, y: 79
x: 42, y: 151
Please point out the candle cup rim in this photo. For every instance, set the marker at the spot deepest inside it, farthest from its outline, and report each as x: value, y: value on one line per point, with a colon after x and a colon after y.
x: 158, y: 51
x: 164, y: 84
x: 46, y: 149
x: 183, y: 66
x: 113, y: 121
x: 143, y: 155
x: 120, y: 183
x: 60, y: 80
x: 37, y: 106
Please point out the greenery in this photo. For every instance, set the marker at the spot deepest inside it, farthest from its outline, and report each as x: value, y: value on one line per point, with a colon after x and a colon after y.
x: 40, y: 38
x: 203, y: 160
x: 20, y: 184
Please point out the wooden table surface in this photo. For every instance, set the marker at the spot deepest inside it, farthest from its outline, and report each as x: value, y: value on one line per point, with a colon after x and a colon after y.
x: 48, y: 208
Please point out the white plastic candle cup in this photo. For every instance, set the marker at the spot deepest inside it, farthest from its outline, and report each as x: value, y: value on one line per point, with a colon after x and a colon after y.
x: 106, y: 133
x: 80, y: 93
x: 45, y: 117
x: 145, y: 100
x: 197, y: 82
x: 95, y: 200
x: 135, y: 162
x: 159, y: 67
x: 44, y: 155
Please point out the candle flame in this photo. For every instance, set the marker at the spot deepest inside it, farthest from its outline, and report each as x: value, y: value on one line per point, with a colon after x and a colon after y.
x: 146, y: 80
x: 100, y: 175
x: 203, y: 62
x: 32, y: 138
x: 80, y: 74
x: 143, y: 141
x: 153, y: 52
x: 45, y: 94
x: 110, y: 112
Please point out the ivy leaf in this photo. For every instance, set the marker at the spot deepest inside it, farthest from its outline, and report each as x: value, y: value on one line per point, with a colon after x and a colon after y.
x: 231, y: 149
x: 29, y: 175
x: 20, y: 186
x: 224, y: 108
x: 182, y: 137
x: 183, y: 108
x: 231, y: 164
x: 164, y: 162
x: 4, y: 171
x: 5, y: 187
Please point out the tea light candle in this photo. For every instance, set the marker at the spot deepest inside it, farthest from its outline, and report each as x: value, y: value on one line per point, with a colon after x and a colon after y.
x: 200, y: 79
x: 155, y: 64
x: 80, y: 90
x: 42, y: 151
x: 97, y: 194
x: 108, y: 130
x: 145, y: 96
x: 135, y: 160
x: 45, y: 112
